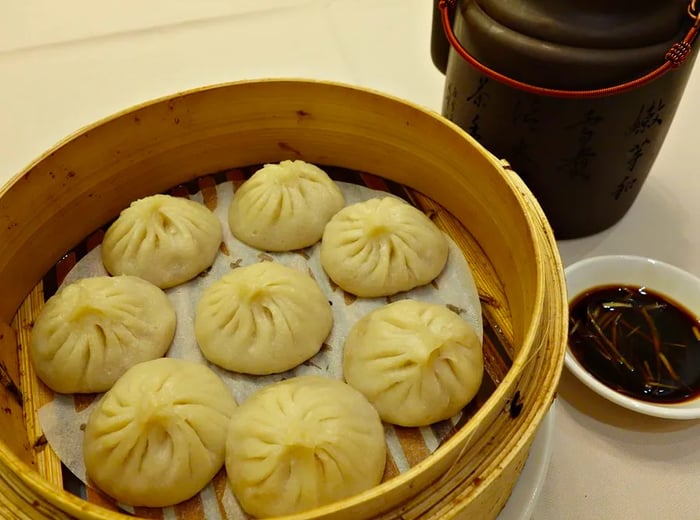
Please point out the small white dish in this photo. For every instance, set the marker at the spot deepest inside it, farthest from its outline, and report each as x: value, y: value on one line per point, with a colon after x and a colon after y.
x: 665, y: 279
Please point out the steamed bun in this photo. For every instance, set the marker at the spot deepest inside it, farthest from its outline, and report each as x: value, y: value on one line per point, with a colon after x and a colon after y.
x: 284, y: 206
x: 416, y: 362
x: 159, y: 435
x: 163, y: 239
x: 91, y: 331
x: 262, y: 319
x: 381, y: 247
x: 302, y: 443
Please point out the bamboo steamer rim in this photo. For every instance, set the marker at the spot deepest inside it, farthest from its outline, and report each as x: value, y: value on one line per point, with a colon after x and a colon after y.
x: 557, y: 337
x: 73, y: 505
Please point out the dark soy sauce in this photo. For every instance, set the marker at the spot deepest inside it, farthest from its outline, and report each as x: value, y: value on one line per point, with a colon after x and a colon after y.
x: 637, y: 342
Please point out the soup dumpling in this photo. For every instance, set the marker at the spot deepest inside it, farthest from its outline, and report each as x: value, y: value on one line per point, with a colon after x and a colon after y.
x: 285, y: 206
x: 302, y: 443
x: 262, y: 319
x: 416, y: 362
x: 381, y: 247
x: 163, y: 239
x: 91, y: 331
x: 159, y: 435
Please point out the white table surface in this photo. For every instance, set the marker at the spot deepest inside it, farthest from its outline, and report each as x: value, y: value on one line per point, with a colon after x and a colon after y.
x: 66, y: 64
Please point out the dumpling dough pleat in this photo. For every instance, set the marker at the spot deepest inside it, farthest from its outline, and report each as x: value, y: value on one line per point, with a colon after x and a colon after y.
x: 303, y: 443
x: 416, y: 362
x: 159, y: 435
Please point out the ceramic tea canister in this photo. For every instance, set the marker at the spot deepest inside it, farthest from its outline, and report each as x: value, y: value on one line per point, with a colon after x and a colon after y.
x: 578, y: 96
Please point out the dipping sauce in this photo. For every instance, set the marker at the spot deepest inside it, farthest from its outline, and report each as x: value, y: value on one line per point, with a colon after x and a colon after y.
x: 637, y: 342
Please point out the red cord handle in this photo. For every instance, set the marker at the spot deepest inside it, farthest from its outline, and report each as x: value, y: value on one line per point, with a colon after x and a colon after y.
x: 674, y: 58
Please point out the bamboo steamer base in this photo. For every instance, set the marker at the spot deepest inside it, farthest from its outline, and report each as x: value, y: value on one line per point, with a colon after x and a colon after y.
x: 88, y: 179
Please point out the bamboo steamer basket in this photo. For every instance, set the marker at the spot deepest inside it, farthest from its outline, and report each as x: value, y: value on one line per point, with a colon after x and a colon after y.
x: 86, y: 180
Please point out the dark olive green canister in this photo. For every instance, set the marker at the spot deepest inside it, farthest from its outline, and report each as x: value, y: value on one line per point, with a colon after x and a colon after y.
x: 582, y: 150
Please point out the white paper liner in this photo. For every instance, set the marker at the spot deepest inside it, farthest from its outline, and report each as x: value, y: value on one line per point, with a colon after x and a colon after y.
x: 62, y: 419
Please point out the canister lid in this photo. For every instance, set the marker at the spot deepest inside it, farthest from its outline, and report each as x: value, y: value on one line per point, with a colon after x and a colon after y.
x: 577, y: 44
x: 608, y: 24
